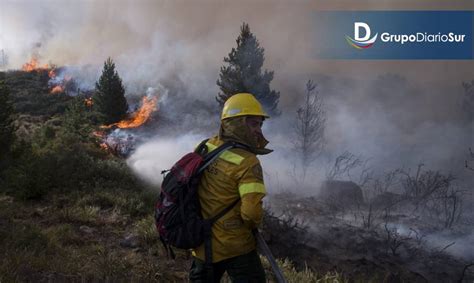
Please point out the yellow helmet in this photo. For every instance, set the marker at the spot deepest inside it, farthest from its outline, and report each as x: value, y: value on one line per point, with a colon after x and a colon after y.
x: 242, y: 104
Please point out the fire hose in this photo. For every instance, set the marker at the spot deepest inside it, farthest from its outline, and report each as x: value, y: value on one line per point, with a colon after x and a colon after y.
x: 268, y: 254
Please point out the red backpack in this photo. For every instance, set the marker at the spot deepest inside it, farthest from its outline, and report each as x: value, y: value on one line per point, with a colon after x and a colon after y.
x: 178, y: 215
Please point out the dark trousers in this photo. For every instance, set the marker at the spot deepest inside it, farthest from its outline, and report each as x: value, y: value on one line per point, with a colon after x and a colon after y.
x: 245, y: 268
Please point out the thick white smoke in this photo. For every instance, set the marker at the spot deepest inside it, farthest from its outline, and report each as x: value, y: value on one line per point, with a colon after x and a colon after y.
x: 160, y: 154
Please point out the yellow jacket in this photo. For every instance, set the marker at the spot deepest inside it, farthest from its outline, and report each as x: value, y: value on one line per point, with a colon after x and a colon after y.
x: 235, y: 174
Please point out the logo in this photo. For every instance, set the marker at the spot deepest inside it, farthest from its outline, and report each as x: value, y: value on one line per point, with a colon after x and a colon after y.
x: 394, y: 35
x: 358, y: 41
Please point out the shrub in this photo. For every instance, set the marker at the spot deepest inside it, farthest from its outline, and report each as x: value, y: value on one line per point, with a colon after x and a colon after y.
x: 30, y: 176
x: 39, y: 171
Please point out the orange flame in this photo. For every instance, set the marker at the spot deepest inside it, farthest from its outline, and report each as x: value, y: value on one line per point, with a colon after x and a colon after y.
x: 98, y: 134
x: 88, y: 102
x: 52, y: 73
x: 139, y: 117
x: 33, y: 65
x: 101, y: 135
x: 58, y: 86
x: 57, y: 89
x: 104, y: 146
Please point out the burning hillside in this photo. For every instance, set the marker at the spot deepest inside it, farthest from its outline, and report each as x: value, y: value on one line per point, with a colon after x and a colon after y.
x: 139, y: 117
x: 113, y: 137
x: 121, y: 141
x: 57, y: 89
x: 34, y: 65
x: 59, y: 82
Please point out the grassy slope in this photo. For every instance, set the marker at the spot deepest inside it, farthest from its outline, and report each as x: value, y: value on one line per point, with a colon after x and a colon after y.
x: 30, y: 93
x: 98, y: 228
x: 80, y: 236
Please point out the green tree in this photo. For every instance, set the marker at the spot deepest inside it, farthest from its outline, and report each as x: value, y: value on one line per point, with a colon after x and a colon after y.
x: 109, y: 98
x: 7, y: 129
x: 244, y: 73
x: 77, y: 121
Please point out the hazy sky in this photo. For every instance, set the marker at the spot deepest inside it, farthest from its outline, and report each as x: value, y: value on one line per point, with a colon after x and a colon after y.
x: 200, y: 33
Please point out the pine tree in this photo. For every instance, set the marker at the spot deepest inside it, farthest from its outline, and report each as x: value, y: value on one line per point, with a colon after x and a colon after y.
x: 77, y: 121
x: 109, y: 98
x: 7, y: 129
x: 244, y: 73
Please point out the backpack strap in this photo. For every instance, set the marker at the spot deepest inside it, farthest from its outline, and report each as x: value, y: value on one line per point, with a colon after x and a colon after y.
x: 202, y: 148
x: 223, y: 212
x: 211, y: 156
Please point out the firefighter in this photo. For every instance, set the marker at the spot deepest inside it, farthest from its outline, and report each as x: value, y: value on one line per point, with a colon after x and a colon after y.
x: 236, y: 174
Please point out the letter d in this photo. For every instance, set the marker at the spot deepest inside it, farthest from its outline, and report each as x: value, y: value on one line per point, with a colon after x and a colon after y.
x: 357, y: 26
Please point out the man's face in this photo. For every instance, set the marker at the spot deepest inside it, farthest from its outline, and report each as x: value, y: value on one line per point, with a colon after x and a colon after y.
x: 255, y: 125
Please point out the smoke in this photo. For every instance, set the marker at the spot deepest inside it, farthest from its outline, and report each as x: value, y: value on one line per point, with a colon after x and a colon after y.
x: 160, y: 154
x: 387, y: 130
x: 152, y: 39
x: 448, y: 241
x: 460, y: 242
x: 395, y: 113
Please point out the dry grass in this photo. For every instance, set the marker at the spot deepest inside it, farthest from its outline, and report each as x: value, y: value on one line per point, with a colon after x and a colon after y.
x: 45, y: 242
x: 80, y: 214
x: 305, y: 275
x: 146, y: 230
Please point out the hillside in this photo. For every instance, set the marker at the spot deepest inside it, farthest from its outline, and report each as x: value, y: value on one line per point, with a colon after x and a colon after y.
x: 72, y: 210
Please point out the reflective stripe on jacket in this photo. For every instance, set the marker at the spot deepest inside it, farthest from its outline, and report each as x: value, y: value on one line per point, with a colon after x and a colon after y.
x: 235, y: 174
